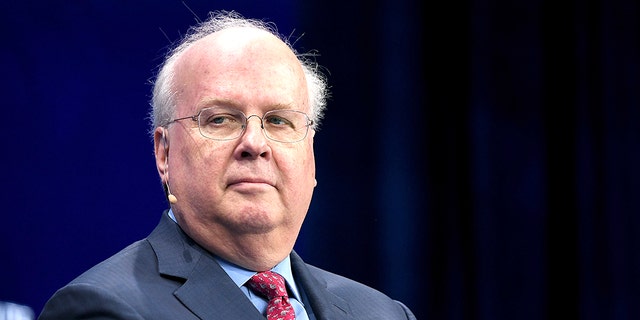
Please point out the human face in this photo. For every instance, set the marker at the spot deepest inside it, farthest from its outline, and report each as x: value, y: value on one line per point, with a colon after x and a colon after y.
x: 250, y: 185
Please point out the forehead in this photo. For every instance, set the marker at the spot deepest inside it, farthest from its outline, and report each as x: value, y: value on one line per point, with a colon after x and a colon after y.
x: 243, y: 65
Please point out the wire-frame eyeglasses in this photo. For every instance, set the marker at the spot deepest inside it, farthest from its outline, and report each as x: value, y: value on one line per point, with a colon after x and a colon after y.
x: 221, y: 123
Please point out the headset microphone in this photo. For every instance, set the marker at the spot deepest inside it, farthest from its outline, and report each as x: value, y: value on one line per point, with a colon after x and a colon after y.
x: 171, y: 197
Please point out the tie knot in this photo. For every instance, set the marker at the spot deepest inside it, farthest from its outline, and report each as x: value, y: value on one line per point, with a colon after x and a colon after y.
x: 269, y: 284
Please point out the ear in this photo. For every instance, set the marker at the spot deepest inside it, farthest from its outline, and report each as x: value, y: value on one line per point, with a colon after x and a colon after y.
x: 161, y: 150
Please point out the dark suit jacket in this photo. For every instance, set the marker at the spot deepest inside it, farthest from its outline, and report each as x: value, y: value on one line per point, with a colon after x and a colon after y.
x: 169, y: 276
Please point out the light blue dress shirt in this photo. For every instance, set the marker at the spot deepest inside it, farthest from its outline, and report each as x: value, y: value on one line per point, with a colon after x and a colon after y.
x: 240, y: 276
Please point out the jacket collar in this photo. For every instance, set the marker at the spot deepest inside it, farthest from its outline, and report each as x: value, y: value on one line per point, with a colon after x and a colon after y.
x: 209, y: 292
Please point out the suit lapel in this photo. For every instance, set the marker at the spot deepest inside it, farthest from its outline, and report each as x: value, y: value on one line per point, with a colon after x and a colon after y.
x: 208, y: 292
x: 211, y: 294
x: 324, y: 304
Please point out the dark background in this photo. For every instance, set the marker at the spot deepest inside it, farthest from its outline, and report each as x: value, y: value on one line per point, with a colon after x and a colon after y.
x: 478, y: 159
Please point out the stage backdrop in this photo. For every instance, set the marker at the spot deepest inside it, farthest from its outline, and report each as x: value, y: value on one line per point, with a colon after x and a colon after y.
x: 478, y: 159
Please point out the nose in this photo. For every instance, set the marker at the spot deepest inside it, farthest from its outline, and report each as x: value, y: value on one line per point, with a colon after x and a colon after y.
x: 253, y: 143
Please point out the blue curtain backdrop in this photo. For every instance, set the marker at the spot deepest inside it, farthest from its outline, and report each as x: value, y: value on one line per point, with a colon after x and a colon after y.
x: 478, y: 159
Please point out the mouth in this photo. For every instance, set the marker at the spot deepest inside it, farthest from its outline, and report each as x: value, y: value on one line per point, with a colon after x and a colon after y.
x: 249, y: 183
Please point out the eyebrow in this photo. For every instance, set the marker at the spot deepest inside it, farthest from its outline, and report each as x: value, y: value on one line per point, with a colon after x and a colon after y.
x: 215, y: 102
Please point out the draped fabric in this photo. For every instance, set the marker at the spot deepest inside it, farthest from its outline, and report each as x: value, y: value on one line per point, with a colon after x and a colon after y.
x: 480, y: 156
x: 500, y: 141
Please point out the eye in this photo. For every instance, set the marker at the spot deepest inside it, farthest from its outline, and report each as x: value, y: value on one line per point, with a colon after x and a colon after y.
x: 217, y: 120
x: 220, y: 119
x: 278, y: 121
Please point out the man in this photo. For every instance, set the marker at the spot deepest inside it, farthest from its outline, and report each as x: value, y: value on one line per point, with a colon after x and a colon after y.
x: 235, y: 112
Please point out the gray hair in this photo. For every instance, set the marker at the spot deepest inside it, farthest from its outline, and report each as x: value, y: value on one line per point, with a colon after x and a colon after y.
x: 163, y: 102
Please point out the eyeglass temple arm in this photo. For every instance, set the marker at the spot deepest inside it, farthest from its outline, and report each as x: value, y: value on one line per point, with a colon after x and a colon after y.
x: 193, y: 117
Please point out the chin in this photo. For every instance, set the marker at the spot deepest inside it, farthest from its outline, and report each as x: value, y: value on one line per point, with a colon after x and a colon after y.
x: 257, y: 221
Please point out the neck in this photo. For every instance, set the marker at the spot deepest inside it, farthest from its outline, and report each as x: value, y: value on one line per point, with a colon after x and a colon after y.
x: 252, y: 251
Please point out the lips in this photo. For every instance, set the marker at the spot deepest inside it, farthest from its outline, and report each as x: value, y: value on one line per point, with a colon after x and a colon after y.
x: 249, y: 180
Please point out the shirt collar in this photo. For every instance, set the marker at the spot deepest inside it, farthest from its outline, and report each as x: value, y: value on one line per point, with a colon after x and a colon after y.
x: 240, y: 275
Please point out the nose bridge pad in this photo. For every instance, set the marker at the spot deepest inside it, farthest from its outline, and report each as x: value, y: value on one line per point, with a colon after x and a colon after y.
x: 257, y: 116
x: 246, y: 124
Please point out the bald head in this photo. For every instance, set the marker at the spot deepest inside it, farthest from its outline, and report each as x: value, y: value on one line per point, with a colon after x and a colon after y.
x: 165, y: 91
x: 237, y: 60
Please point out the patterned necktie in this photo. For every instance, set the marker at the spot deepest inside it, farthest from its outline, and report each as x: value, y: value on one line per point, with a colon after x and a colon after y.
x: 271, y: 286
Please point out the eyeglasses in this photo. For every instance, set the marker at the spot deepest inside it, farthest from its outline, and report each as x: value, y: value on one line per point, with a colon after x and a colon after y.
x: 219, y: 123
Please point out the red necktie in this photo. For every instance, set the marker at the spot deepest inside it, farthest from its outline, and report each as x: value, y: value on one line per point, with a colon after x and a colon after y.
x: 271, y: 285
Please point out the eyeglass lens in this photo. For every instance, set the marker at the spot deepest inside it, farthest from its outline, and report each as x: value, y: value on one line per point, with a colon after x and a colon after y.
x: 279, y: 125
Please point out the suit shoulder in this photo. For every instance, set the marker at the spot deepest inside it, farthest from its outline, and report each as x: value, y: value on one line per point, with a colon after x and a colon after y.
x: 336, y: 282
x: 106, y: 288
x: 120, y: 267
x: 83, y: 301
x: 123, y: 286
x: 363, y: 300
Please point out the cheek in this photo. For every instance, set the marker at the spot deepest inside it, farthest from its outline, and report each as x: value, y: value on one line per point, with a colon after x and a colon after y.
x: 212, y: 163
x: 300, y: 171
x: 200, y: 163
